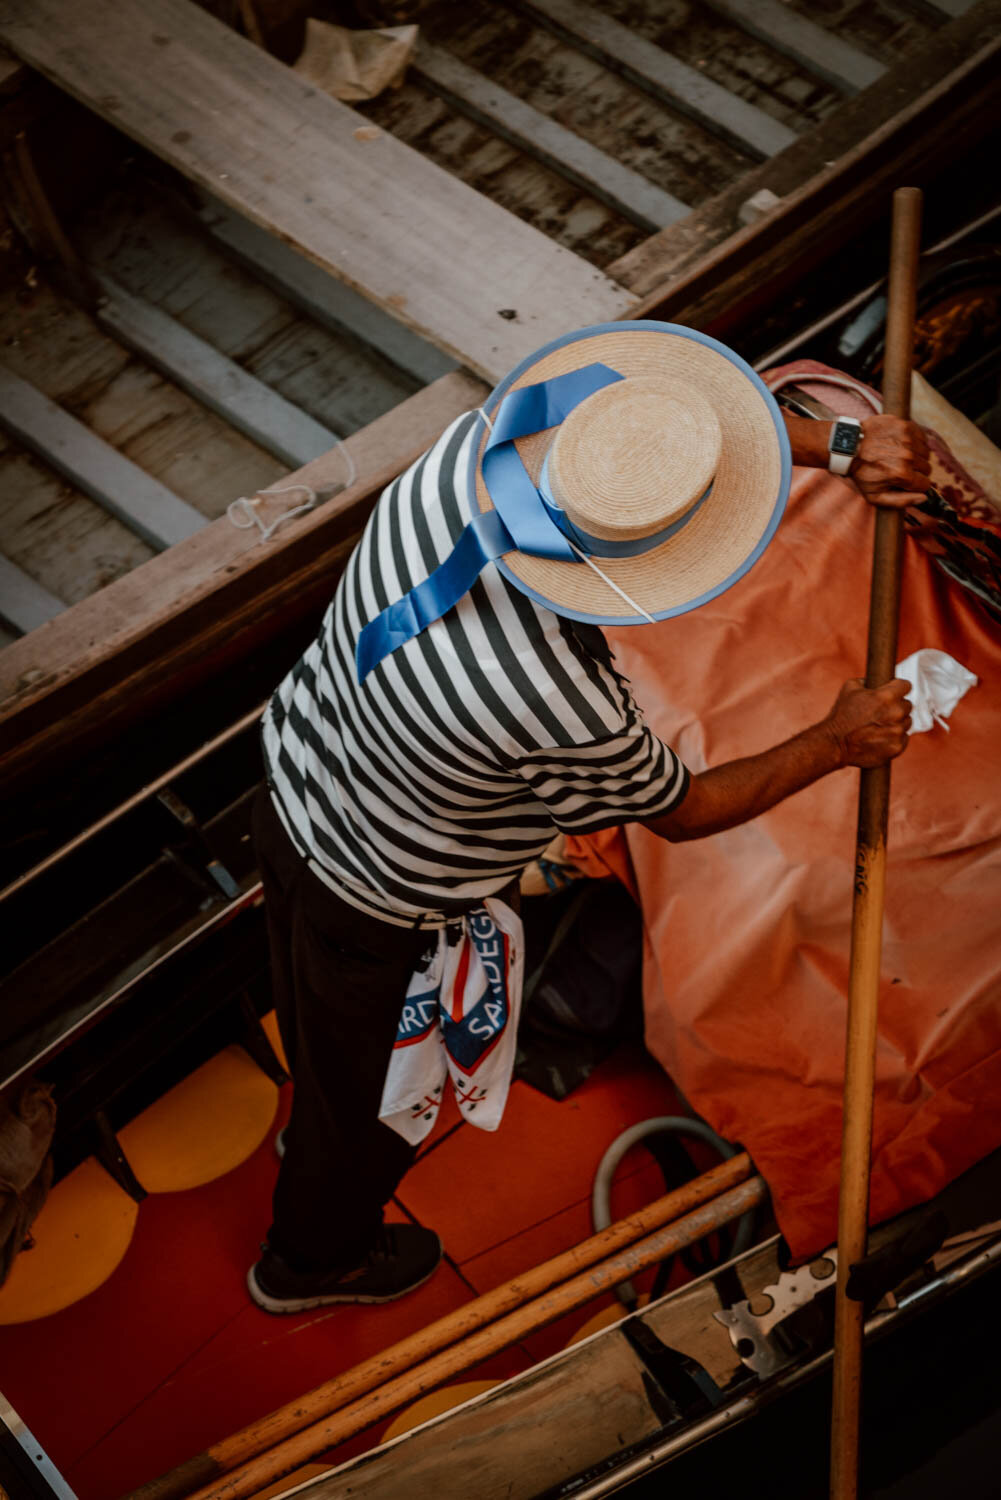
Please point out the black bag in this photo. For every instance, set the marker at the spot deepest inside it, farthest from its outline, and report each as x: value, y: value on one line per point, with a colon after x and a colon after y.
x: 583, y: 982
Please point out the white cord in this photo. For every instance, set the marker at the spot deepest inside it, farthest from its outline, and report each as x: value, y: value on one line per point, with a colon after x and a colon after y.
x: 245, y: 507
x: 613, y: 586
x: 490, y: 425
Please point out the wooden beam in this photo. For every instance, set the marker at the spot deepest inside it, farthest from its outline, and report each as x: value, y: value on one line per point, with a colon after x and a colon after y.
x: 246, y: 403
x: 145, y: 505
x: 821, y: 52
x: 180, y: 618
x: 24, y: 603
x: 457, y: 268
x: 665, y: 77
x: 547, y: 141
x: 891, y: 117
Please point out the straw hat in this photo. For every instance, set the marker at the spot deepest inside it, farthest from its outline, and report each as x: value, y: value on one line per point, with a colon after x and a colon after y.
x: 689, y: 446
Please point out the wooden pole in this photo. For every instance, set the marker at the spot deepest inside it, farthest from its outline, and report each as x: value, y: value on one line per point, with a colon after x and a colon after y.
x: 222, y: 1457
x: 250, y: 1478
x: 870, y: 878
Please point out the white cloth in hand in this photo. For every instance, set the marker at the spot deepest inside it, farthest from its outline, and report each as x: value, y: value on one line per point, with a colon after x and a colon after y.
x: 938, y: 682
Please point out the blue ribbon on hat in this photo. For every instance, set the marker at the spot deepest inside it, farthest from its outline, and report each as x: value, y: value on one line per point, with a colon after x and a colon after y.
x: 525, y: 518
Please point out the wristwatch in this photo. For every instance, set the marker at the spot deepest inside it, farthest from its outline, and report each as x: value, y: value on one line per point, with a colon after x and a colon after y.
x: 846, y: 435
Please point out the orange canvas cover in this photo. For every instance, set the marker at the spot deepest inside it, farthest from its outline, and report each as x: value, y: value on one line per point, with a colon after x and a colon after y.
x: 747, y: 932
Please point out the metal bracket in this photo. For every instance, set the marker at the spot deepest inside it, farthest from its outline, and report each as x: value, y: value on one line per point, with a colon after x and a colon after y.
x: 756, y: 1336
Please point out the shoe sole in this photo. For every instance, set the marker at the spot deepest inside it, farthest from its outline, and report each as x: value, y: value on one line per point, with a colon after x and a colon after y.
x: 279, y: 1305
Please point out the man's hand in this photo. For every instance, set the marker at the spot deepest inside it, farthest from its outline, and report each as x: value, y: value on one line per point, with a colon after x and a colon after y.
x: 865, y: 727
x: 869, y: 725
x: 892, y: 465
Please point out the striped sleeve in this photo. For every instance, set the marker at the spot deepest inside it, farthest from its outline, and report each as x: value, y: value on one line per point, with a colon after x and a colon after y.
x: 626, y: 776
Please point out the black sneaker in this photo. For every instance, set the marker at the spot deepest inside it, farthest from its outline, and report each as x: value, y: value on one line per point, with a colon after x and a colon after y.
x: 403, y: 1256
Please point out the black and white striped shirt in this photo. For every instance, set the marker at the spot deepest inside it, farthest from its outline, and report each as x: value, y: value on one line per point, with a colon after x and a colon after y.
x: 439, y: 779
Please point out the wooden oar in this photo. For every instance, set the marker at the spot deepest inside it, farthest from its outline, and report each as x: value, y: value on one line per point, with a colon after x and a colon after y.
x: 311, y: 1442
x: 870, y: 877
x: 390, y: 1363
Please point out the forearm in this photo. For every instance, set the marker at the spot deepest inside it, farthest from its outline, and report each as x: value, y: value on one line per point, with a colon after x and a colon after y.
x: 891, y: 467
x: 740, y: 790
x: 808, y: 439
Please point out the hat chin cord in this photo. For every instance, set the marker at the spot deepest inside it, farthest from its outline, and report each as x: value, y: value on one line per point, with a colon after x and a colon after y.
x: 584, y: 557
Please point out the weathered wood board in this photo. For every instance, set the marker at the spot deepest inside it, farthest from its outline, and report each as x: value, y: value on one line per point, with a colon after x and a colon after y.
x: 142, y: 237
x: 830, y: 58
x: 891, y: 122
x: 142, y: 633
x: 59, y: 537
x: 545, y: 139
x: 219, y: 383
x: 146, y: 506
x: 538, y: 1430
x: 666, y: 76
x: 457, y: 268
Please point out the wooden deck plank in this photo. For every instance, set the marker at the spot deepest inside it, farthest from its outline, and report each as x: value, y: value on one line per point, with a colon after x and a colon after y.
x: 61, y: 537
x: 217, y: 382
x: 657, y: 71
x: 821, y: 52
x: 60, y: 349
x: 327, y: 301
x: 24, y: 603
x: 359, y: 203
x: 147, y: 507
x: 549, y: 142
x: 158, y: 251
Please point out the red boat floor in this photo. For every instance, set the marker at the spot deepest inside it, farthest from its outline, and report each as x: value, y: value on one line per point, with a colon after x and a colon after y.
x: 128, y: 1342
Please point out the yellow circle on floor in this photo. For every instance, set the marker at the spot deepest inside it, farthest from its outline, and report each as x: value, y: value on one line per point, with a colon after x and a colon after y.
x: 80, y: 1236
x: 433, y: 1404
x: 205, y: 1126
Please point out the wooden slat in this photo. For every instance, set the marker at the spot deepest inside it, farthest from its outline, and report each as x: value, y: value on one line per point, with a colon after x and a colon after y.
x: 664, y: 76
x: 217, y: 382
x: 549, y: 142
x: 891, y: 122
x: 145, y: 505
x: 821, y: 52
x: 448, y: 262
x: 171, y: 623
x: 753, y: 268
x: 24, y: 603
x: 321, y: 296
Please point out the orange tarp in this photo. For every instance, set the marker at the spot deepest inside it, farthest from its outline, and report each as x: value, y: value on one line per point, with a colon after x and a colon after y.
x: 747, y: 932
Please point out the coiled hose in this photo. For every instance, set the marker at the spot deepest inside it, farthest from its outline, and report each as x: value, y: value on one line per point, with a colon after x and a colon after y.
x: 601, y: 1196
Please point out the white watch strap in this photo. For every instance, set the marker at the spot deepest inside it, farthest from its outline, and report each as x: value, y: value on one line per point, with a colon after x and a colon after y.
x: 840, y: 463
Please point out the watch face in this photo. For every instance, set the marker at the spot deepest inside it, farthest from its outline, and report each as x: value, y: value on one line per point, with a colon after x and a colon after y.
x: 844, y: 438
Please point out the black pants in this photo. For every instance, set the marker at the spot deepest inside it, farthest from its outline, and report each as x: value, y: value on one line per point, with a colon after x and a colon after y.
x: 339, y: 979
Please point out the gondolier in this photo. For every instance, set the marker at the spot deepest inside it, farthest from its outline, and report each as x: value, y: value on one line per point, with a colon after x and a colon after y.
x: 460, y: 704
